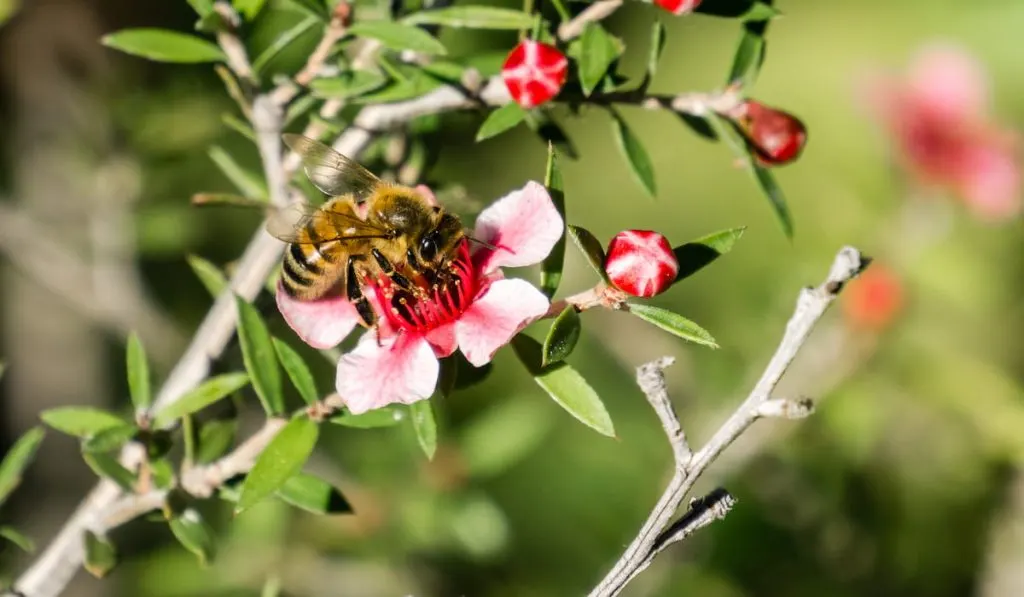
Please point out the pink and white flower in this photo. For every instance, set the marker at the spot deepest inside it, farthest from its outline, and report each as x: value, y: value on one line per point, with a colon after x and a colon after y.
x: 478, y: 311
x: 938, y: 117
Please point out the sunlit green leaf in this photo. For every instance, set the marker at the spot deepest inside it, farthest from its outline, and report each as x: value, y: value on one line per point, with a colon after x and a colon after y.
x: 215, y: 439
x: 259, y: 357
x: 138, y: 373
x: 597, y: 51
x: 202, y: 7
x: 209, y: 274
x: 282, y: 459
x: 206, y: 394
x: 297, y: 371
x: 655, y: 50
x: 397, y: 36
x: 636, y: 156
x: 565, y: 385
x: 17, y: 460
x: 248, y: 8
x: 673, y: 323
x: 80, y: 421
x: 425, y: 426
x: 193, y: 533
x: 23, y: 541
x: 500, y: 120
x: 248, y: 183
x: 473, y: 17
x: 378, y: 417
x: 108, y: 467
x: 591, y: 248
x: 110, y: 439
x: 349, y: 84
x: 282, y: 41
x: 562, y: 336
x: 315, y: 8
x: 100, y: 555
x: 313, y: 494
x: 698, y: 254
x: 551, y: 267
x: 163, y: 45
x: 162, y: 471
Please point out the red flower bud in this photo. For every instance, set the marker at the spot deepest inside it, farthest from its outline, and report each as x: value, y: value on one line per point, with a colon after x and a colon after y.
x: 641, y: 263
x: 534, y: 72
x: 777, y: 137
x: 874, y: 299
x: 678, y: 7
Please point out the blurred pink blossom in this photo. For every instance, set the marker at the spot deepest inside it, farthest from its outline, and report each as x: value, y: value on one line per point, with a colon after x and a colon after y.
x: 938, y: 116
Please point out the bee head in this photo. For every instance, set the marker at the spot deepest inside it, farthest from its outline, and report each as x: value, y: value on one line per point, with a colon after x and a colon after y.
x: 440, y: 241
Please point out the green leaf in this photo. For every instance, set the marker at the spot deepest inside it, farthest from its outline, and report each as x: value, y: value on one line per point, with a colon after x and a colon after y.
x: 503, y: 435
x: 193, y: 533
x: 425, y: 426
x: 473, y: 17
x: 215, y: 439
x: 100, y: 555
x: 108, y: 467
x: 551, y: 268
x: 673, y: 323
x: 248, y: 183
x: 297, y: 371
x: 80, y: 421
x: 138, y: 373
x: 23, y: 541
x: 248, y: 8
x: 698, y: 254
x: 285, y: 39
x: 562, y: 336
x: 163, y: 472
x: 349, y: 84
x: 315, y: 8
x: 163, y: 45
x: 761, y: 11
x: 591, y: 248
x: 397, y: 36
x: 748, y: 59
x: 378, y: 417
x: 209, y: 274
x: 565, y: 385
x: 282, y: 459
x: 635, y: 154
x: 597, y: 51
x: 655, y: 50
x: 259, y: 357
x: 206, y: 394
x: 17, y: 460
x: 500, y: 120
x: 313, y: 494
x: 771, y: 189
x: 202, y: 7
x: 110, y: 439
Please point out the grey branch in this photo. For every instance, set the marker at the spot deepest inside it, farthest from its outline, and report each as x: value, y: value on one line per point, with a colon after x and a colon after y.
x: 658, y: 531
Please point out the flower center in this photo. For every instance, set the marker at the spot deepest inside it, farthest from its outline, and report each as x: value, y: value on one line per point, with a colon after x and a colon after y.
x: 435, y: 297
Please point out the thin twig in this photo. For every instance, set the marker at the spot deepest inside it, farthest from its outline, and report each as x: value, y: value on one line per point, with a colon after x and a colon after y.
x: 811, y: 304
x: 597, y: 11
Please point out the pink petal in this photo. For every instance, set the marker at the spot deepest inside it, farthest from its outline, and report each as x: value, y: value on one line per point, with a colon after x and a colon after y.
x: 524, y: 225
x: 321, y: 324
x: 400, y: 369
x: 493, y: 319
x: 424, y: 190
x: 990, y: 181
x: 442, y: 339
x: 948, y: 80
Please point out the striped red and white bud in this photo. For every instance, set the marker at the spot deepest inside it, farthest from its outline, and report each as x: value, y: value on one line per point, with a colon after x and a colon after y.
x: 641, y: 263
x: 776, y: 136
x: 534, y: 73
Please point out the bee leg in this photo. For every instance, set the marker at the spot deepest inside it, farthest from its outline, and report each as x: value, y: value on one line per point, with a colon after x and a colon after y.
x: 389, y: 271
x: 355, y: 295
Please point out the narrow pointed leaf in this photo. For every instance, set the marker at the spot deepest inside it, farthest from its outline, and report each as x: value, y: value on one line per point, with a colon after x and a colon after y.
x: 500, y: 120
x: 473, y: 17
x: 215, y: 438
x: 202, y: 7
x: 315, y: 8
x: 163, y: 45
x: 562, y: 337
x: 378, y: 417
x: 297, y: 370
x: 23, y: 541
x: 194, y: 534
x: 698, y: 254
x: 138, y: 373
x: 283, y: 458
x: 597, y: 51
x: 259, y: 357
x: 551, y: 267
x: 397, y: 36
x: 761, y: 11
x: 348, y: 85
x: 655, y: 50
x: 636, y: 156
x: 108, y: 467
x: 673, y: 323
x: 565, y: 385
x: 313, y: 494
x: 100, y: 555
x: 163, y: 473
x: 425, y: 426
x: 773, y: 193
x: 591, y: 248
x: 209, y: 275
x: 110, y: 439
x: 285, y: 39
x: 206, y: 394
x: 247, y: 182
x: 80, y: 421
x: 17, y: 460
x: 248, y: 8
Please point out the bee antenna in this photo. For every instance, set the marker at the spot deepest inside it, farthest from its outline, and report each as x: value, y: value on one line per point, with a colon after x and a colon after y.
x: 486, y: 244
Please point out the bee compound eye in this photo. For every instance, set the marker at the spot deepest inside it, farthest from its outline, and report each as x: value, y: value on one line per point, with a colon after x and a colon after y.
x: 429, y: 246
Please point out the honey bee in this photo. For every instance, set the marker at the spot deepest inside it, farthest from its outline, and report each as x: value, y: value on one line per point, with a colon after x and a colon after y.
x: 368, y: 228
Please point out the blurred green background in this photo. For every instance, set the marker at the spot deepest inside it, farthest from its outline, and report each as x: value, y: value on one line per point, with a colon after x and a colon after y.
x: 907, y: 481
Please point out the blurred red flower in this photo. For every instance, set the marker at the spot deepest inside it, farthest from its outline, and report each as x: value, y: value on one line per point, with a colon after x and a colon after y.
x: 874, y: 299
x: 678, y: 7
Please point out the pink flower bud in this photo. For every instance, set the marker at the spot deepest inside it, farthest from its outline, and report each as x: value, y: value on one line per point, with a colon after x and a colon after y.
x: 641, y: 263
x: 534, y: 73
x: 777, y: 137
x: 874, y: 299
x: 678, y: 7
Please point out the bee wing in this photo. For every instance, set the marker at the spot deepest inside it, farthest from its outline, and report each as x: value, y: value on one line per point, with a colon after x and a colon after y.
x: 291, y: 224
x: 331, y: 172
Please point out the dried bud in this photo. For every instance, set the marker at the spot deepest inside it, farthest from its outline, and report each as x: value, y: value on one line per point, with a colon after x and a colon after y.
x: 678, y: 7
x: 641, y: 263
x: 874, y: 299
x: 534, y: 73
x: 777, y: 137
